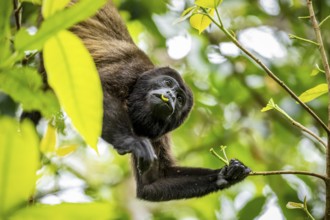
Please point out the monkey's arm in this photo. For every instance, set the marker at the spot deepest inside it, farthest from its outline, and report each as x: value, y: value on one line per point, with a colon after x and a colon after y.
x: 117, y: 130
x: 185, y: 182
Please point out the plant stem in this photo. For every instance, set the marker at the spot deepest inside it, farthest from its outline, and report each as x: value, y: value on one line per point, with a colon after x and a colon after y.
x: 280, y: 172
x: 270, y: 73
x: 325, y: 63
x: 17, y: 13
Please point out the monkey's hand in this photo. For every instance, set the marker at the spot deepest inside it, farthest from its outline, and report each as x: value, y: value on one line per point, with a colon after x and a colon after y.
x: 235, y: 172
x: 142, y: 150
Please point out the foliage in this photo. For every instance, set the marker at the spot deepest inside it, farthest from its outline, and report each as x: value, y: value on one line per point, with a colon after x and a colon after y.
x: 60, y: 177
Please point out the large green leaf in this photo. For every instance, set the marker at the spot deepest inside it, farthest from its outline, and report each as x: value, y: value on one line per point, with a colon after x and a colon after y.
x: 24, y: 85
x: 55, y: 23
x: 50, y: 7
x: 73, y: 76
x: 18, y: 164
x: 5, y: 11
x: 66, y: 211
x: 314, y: 92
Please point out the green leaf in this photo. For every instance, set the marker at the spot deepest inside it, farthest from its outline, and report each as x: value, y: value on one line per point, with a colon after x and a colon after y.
x: 55, y: 23
x: 200, y: 21
x: 294, y: 205
x: 50, y: 7
x: 271, y: 105
x: 208, y: 3
x: 19, y: 161
x: 252, y: 209
x: 5, y: 12
x: 314, y: 92
x: 73, y: 76
x: 186, y: 14
x: 24, y: 85
x: 67, y: 211
x: 48, y: 142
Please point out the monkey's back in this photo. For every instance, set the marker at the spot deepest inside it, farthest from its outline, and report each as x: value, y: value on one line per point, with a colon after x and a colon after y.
x: 118, y: 60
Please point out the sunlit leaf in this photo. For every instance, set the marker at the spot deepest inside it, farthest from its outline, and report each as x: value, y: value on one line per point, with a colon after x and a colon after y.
x: 83, y: 211
x: 18, y: 163
x: 50, y: 7
x: 5, y: 12
x: 185, y: 14
x: 59, y: 21
x: 24, y: 85
x: 73, y: 76
x: 48, y: 142
x: 200, y: 21
x: 270, y: 106
x: 294, y: 205
x: 315, y: 72
x: 314, y: 92
x: 66, y: 150
x: 208, y: 3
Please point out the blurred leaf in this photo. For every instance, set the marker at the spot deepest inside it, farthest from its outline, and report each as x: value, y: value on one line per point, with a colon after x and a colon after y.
x: 294, y: 205
x: 314, y: 92
x: 270, y: 106
x: 253, y: 208
x: 208, y: 3
x: 315, y: 72
x: 50, y: 7
x: 38, y: 2
x: 66, y: 211
x: 24, y: 85
x: 48, y: 142
x: 200, y: 21
x: 18, y: 164
x: 59, y: 21
x: 73, y: 76
x: 66, y: 150
x: 5, y: 12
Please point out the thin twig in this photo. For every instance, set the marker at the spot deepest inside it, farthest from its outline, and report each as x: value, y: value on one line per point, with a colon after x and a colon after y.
x: 324, y: 20
x: 270, y: 73
x: 280, y: 172
x: 17, y: 13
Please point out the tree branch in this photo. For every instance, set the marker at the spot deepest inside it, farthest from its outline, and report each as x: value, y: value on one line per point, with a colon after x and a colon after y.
x: 269, y: 73
x: 325, y: 63
x: 17, y: 14
x: 283, y: 172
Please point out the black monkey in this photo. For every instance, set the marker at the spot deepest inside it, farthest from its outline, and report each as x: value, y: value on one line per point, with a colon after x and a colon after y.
x: 142, y: 104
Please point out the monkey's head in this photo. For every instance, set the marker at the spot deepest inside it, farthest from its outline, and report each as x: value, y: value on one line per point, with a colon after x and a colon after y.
x: 159, y: 102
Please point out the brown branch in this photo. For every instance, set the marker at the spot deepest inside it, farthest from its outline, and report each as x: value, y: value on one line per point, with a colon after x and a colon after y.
x: 17, y: 13
x: 270, y: 73
x: 281, y: 172
x: 325, y: 63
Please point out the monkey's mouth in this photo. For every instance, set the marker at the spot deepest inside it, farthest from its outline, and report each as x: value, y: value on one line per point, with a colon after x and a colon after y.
x: 161, y: 108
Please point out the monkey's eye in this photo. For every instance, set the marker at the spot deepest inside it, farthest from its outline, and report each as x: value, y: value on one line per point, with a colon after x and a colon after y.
x: 180, y: 99
x: 167, y: 82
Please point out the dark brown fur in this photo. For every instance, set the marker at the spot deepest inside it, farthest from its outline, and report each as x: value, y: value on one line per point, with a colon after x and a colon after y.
x: 121, y: 64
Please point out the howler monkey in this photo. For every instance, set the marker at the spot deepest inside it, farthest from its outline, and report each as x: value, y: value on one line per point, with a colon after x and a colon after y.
x: 142, y: 104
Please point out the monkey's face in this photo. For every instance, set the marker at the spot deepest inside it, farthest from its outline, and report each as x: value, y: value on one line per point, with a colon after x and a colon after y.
x: 159, y: 103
